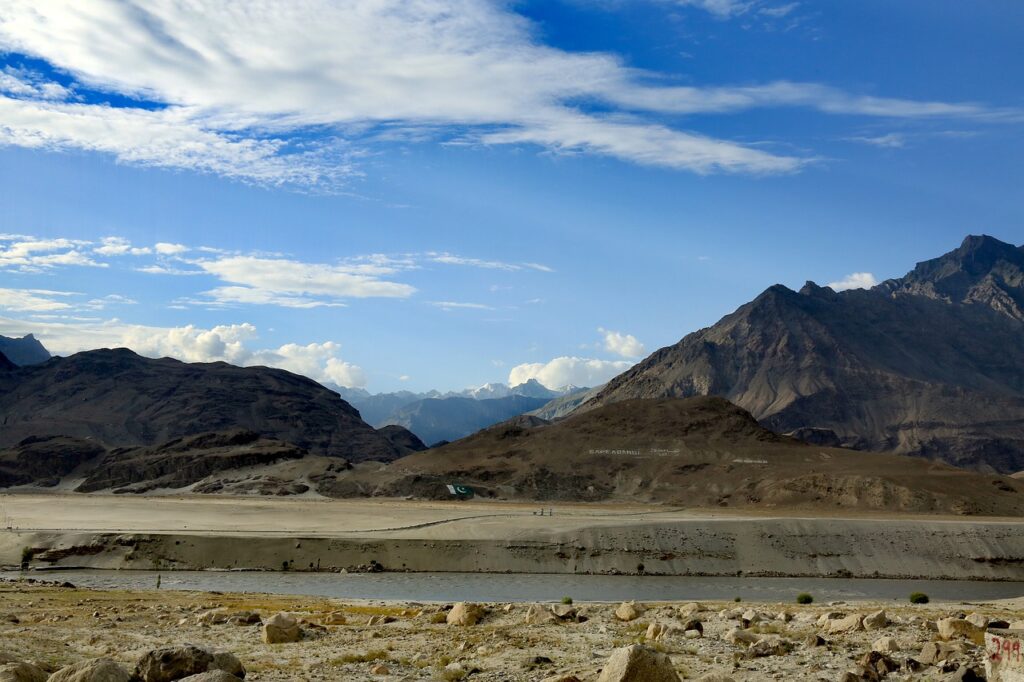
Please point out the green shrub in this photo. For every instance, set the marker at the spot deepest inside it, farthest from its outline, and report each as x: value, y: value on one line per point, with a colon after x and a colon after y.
x: 567, y: 600
x: 918, y: 598
x: 804, y: 598
x: 26, y: 554
x: 737, y: 599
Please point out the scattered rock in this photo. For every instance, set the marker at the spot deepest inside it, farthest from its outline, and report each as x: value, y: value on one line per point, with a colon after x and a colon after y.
x: 213, y: 617
x: 537, y: 614
x: 637, y: 663
x: 687, y: 610
x: 561, y: 678
x: 245, y: 618
x: 22, y: 672
x: 167, y: 664
x: 812, y: 641
x: 693, y: 624
x: 880, y: 663
x: 740, y: 636
x: 465, y: 613
x: 334, y: 618
x: 850, y: 623
x: 211, y: 676
x: 885, y: 645
x: 826, y: 618
x: 379, y: 669
x: 933, y: 652
x: 967, y: 674
x: 280, y: 629
x: 229, y: 663
x: 771, y: 645
x: 953, y: 628
x: 93, y: 670
x: 876, y: 620
x: 628, y: 611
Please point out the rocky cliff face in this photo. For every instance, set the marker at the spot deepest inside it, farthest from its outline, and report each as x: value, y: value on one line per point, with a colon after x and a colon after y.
x: 119, y: 399
x: 24, y: 351
x: 929, y: 364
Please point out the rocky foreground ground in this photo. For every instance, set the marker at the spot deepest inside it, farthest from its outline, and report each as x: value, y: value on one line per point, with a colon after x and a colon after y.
x: 66, y: 634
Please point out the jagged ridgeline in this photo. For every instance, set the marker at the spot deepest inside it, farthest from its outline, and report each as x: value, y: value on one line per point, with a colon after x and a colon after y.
x: 930, y: 364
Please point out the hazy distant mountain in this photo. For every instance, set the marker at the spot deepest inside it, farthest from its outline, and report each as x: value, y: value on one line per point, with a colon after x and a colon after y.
x: 382, y: 409
x: 565, y: 404
x: 436, y: 419
x: 24, y: 351
x: 929, y: 364
x: 117, y: 398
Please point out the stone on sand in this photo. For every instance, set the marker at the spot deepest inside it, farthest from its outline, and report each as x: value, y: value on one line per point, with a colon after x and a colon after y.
x: 280, y: 629
x: 637, y: 663
x: 465, y: 613
x: 92, y: 670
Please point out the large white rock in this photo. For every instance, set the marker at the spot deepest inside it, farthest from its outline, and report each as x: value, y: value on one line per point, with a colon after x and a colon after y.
x: 465, y: 613
x: 637, y: 663
x: 1004, y: 655
x: 952, y: 628
x: 876, y: 620
x: 281, y: 629
x: 850, y: 623
x: 629, y: 610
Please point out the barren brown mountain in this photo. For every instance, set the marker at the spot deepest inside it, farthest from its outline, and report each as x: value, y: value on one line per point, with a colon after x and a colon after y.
x: 119, y: 399
x: 699, y: 452
x: 931, y: 364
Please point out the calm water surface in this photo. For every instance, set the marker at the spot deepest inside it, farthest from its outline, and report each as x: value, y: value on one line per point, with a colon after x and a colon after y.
x: 533, y: 587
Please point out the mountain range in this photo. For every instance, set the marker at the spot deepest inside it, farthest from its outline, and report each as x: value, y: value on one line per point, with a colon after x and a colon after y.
x: 930, y: 364
x: 436, y: 416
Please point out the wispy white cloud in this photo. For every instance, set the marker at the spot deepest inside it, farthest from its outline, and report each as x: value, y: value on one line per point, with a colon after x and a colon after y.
x: 33, y: 300
x: 887, y: 141
x: 457, y: 305
x: 167, y: 249
x: 856, y: 280
x: 119, y: 246
x: 239, y: 87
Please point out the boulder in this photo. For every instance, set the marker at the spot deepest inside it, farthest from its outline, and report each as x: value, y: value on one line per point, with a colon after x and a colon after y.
x: 465, y: 613
x: 959, y: 628
x: 565, y: 612
x: 561, y: 678
x: 92, y: 670
x: 537, y: 614
x: 22, y: 672
x: 170, y: 663
x: 693, y: 624
x: 229, y: 663
x: 851, y: 623
x: 280, y: 629
x: 750, y: 617
x: 770, y: 645
x: 933, y: 652
x: 826, y: 618
x: 656, y: 632
x: 637, y: 663
x: 876, y: 620
x: 211, y: 676
x: 967, y: 673
x: 628, y: 610
x: 880, y: 663
x: 380, y: 669
x: 885, y: 645
x: 812, y: 641
x: 1004, y: 661
x: 739, y: 636
x: 687, y: 610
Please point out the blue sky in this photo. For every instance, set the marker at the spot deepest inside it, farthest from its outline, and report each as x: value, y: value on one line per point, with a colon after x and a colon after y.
x: 440, y: 194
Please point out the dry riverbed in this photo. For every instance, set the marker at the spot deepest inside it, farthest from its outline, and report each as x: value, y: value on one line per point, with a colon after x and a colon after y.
x: 54, y: 627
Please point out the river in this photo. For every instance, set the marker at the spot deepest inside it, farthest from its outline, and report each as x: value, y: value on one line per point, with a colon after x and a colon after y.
x: 491, y: 587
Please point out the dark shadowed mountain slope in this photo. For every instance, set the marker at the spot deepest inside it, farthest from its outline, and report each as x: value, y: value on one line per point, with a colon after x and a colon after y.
x: 24, y: 351
x: 402, y: 438
x: 117, y: 398
x: 698, y: 452
x: 930, y: 364
x: 5, y: 364
x: 437, y: 419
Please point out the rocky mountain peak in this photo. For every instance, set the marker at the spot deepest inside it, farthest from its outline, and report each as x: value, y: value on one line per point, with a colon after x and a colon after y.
x: 24, y: 351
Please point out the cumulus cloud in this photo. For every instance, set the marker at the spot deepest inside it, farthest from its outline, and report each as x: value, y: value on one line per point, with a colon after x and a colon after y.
x: 856, y: 280
x: 567, y: 370
x: 119, y: 246
x: 167, y: 249
x: 233, y: 343
x: 237, y: 87
x: 624, y: 345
